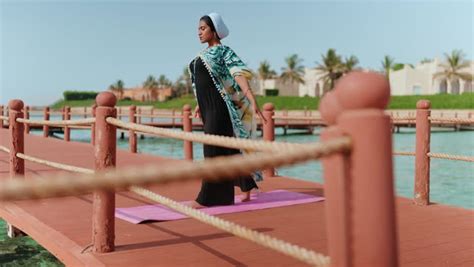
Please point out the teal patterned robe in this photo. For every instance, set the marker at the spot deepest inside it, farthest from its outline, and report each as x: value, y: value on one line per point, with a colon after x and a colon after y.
x: 223, y: 65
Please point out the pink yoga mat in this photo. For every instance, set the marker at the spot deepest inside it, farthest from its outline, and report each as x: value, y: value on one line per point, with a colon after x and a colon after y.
x: 265, y: 200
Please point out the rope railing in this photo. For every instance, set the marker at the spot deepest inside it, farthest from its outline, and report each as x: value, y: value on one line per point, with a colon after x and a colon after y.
x: 157, y: 116
x: 80, y: 126
x: 408, y: 118
x: 453, y: 120
x: 211, y: 169
x: 4, y: 149
x: 57, y: 123
x: 295, y: 118
x: 54, y: 164
x: 403, y: 153
x: 55, y: 112
x: 50, y: 163
x: 451, y: 157
x: 224, y: 141
x: 297, y: 252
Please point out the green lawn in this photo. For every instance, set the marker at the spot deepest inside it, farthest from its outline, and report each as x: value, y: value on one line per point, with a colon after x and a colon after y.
x: 441, y: 101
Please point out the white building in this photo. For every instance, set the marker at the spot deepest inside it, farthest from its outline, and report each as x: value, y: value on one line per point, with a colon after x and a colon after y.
x: 407, y: 81
x: 313, y: 85
x: 420, y: 80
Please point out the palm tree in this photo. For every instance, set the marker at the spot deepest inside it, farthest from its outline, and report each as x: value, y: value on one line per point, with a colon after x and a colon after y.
x: 350, y: 64
x: 426, y: 60
x: 163, y: 81
x: 265, y: 72
x: 150, y: 84
x: 294, y: 71
x: 452, y: 69
x: 117, y: 88
x: 184, y: 82
x: 332, y: 67
x: 387, y: 65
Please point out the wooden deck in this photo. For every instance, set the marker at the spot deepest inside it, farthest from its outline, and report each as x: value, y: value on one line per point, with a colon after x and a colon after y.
x: 435, y: 235
x: 198, y: 126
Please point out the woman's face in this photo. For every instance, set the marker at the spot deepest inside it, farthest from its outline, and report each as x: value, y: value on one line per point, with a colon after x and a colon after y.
x: 205, y: 33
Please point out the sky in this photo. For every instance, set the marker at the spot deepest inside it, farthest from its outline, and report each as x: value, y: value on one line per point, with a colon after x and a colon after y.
x: 47, y: 47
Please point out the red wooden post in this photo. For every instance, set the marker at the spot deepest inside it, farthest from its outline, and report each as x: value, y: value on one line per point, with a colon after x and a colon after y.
x: 187, y: 127
x: 46, y: 118
x: 17, y: 165
x: 132, y: 139
x: 67, y: 130
x: 173, y: 112
x: 336, y: 190
x: 1, y: 114
x: 367, y: 200
x: 422, y: 161
x: 373, y: 200
x: 103, y: 207
x: 268, y: 132
x: 94, y: 107
x: 27, y: 116
x: 139, y: 112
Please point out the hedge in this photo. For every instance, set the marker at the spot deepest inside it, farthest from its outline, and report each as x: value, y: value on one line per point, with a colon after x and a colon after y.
x: 79, y: 95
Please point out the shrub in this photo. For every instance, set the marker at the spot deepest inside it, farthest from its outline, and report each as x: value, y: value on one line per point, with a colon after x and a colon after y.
x: 271, y: 92
x: 79, y: 95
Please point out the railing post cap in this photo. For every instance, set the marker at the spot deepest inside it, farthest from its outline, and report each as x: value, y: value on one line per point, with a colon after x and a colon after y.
x: 106, y: 99
x: 268, y: 107
x: 330, y: 108
x: 15, y: 104
x: 423, y: 104
x: 133, y: 107
x: 361, y: 90
x: 187, y: 107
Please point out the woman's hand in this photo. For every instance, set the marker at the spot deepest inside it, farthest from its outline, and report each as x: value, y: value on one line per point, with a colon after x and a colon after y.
x: 259, y: 112
x: 197, y: 112
x: 245, y: 87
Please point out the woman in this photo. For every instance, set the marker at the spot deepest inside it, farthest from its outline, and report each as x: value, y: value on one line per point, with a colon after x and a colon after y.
x: 226, y: 106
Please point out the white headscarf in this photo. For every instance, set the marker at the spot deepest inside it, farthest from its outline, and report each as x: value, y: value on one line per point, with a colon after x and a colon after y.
x: 219, y: 25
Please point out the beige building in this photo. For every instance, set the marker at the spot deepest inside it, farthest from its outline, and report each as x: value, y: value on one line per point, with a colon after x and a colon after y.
x: 284, y: 88
x: 420, y: 80
x: 143, y: 94
x: 313, y: 86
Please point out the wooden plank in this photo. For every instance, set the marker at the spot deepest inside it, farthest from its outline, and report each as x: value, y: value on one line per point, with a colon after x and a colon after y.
x: 428, y: 236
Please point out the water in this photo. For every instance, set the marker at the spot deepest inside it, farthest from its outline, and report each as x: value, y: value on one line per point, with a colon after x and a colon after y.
x: 23, y: 251
x: 452, y: 182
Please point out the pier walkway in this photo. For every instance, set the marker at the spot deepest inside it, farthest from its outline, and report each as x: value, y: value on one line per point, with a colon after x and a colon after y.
x: 433, y: 235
